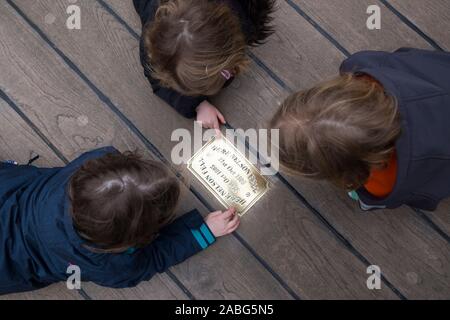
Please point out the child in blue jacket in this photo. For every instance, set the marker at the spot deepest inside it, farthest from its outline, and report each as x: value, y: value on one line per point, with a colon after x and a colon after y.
x: 108, y: 213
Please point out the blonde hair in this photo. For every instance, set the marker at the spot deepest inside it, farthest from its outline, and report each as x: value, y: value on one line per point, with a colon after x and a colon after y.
x: 339, y: 130
x: 191, y: 42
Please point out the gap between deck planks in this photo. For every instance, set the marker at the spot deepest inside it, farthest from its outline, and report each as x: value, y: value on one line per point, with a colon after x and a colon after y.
x: 416, y: 226
x: 430, y: 18
x: 350, y: 283
x: 441, y: 220
x: 54, y: 98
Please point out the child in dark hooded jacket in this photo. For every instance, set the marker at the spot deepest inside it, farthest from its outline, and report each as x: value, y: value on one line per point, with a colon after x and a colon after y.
x: 109, y: 214
x: 191, y: 49
x: 379, y: 130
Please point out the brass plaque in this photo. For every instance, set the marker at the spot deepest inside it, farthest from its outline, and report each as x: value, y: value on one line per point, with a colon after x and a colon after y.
x: 228, y: 175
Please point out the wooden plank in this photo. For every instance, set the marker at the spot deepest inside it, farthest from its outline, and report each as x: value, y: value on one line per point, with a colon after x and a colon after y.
x: 68, y: 112
x: 371, y: 234
x: 19, y: 142
x: 57, y: 291
x: 126, y: 12
x: 346, y: 21
x: 306, y: 255
x: 410, y: 253
x: 295, y: 54
x: 441, y: 217
x: 165, y: 290
x: 432, y: 17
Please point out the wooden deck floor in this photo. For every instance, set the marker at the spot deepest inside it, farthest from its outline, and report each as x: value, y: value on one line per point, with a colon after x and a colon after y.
x: 65, y: 92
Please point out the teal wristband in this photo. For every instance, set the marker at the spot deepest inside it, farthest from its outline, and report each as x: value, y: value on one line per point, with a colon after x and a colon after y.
x: 199, y: 239
x: 207, y: 234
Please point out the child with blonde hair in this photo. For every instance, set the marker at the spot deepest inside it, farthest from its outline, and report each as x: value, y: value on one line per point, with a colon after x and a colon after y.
x: 379, y: 130
x: 191, y: 49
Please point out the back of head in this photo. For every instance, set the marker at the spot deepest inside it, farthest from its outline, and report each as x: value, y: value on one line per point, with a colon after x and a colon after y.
x: 120, y: 201
x: 190, y: 43
x: 338, y: 131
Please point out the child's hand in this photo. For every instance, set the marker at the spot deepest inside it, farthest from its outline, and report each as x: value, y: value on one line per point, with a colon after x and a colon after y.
x: 209, y: 116
x: 223, y: 223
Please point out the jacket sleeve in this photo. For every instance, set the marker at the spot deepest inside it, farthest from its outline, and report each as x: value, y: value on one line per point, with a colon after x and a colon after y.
x: 184, y: 105
x: 180, y: 240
